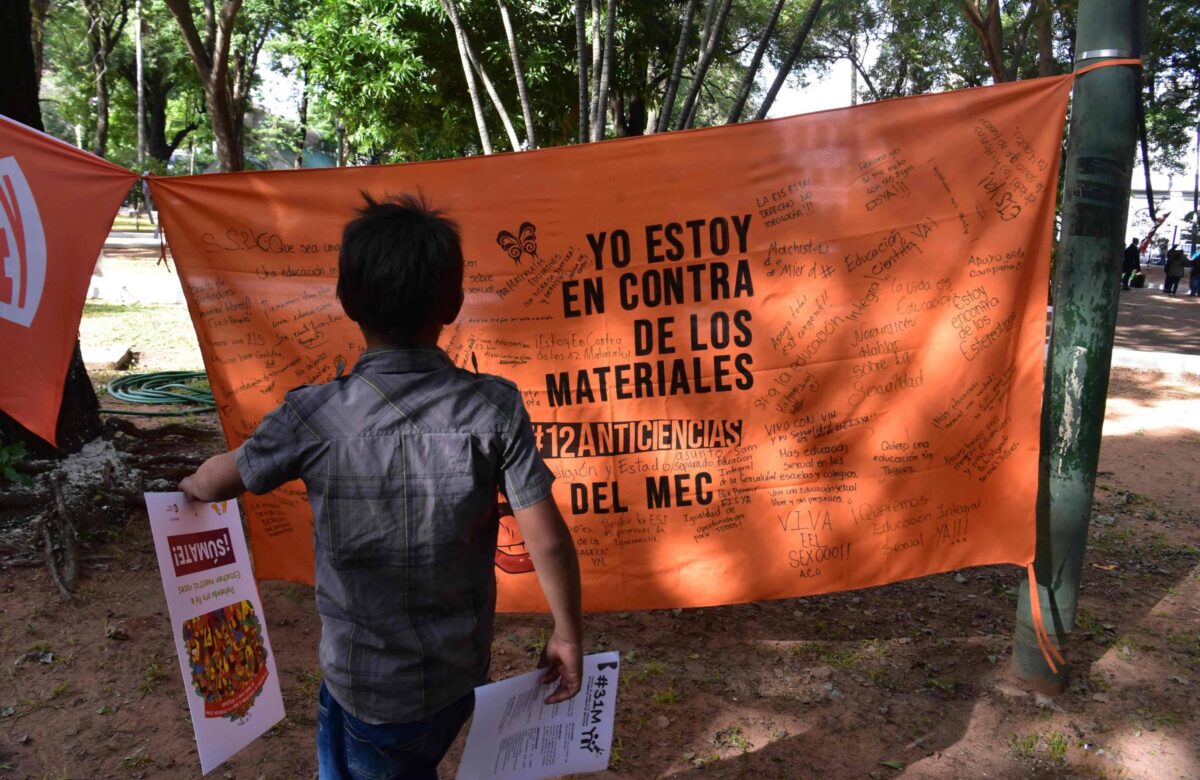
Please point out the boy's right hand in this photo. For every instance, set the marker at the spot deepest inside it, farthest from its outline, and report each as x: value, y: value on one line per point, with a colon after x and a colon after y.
x: 563, y: 661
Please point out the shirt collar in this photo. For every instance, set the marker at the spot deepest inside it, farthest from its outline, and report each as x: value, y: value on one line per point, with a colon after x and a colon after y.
x: 396, y: 360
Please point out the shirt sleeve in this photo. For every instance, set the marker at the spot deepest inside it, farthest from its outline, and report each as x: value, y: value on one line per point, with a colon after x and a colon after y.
x: 276, y: 452
x: 527, y: 479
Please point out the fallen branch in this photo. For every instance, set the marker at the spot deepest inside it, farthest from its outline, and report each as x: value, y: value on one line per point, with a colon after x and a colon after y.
x: 21, y: 500
x: 51, y: 566
x: 66, y: 532
x: 172, y: 429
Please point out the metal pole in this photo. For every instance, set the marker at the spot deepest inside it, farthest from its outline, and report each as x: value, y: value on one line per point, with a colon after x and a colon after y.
x: 141, y: 99
x: 1095, y: 205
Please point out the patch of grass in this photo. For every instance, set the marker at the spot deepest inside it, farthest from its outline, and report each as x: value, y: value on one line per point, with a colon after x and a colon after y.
x: 1188, y: 644
x: 1128, y: 647
x: 1154, y: 720
x: 842, y: 658
x: 667, y: 697
x: 1098, y: 682
x: 616, y: 756
x: 733, y: 739
x: 1056, y: 747
x: 58, y: 690
x: 699, y: 761
x: 648, y: 669
x: 1094, y: 628
x: 1052, y: 745
x: 151, y: 677
x: 945, y: 685
x: 138, y: 759
x: 537, y: 644
x: 309, y: 682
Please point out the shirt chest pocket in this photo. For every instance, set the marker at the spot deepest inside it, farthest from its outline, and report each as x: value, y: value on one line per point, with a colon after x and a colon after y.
x: 398, y: 500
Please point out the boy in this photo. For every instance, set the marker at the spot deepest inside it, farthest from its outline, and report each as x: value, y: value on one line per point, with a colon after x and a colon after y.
x: 401, y: 460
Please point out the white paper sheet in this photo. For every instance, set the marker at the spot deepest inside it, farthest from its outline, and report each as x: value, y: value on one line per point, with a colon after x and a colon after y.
x: 514, y: 736
x: 217, y: 619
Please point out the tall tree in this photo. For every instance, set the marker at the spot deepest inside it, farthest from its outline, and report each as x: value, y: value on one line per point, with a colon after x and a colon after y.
x: 673, y: 81
x: 604, y: 80
x: 785, y: 69
x: 167, y: 75
x: 460, y: 32
x: 106, y: 21
x: 225, y: 57
x: 519, y: 73
x: 40, y: 11
x: 582, y: 53
x: 764, y: 40
x: 713, y: 33
x: 79, y: 415
x: 460, y: 37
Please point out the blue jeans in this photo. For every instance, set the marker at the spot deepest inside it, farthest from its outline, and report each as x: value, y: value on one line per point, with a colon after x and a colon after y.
x: 351, y: 749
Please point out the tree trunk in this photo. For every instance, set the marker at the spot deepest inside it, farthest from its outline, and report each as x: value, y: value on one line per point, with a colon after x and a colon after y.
x: 1141, y: 116
x: 100, y: 139
x: 672, y: 88
x: 485, y: 139
x: 597, y: 63
x: 303, y: 133
x: 78, y: 417
x: 600, y: 112
x: 519, y: 73
x: 687, y: 114
x: 39, y: 11
x: 461, y: 32
x: 211, y: 59
x: 739, y: 105
x: 1045, y: 34
x: 155, y: 128
x: 785, y: 68
x: 990, y: 35
x: 230, y: 156
x: 582, y: 54
x: 99, y: 59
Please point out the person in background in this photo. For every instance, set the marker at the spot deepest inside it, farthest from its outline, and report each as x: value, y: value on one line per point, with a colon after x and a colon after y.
x: 1130, y: 264
x: 402, y: 459
x: 1176, y: 265
x: 1194, y: 280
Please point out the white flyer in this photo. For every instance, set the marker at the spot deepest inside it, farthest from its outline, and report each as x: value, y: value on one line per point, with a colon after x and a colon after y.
x: 515, y: 736
x: 217, y: 618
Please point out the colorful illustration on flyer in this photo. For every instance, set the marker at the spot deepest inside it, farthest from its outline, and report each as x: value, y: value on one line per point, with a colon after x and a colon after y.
x: 228, y: 659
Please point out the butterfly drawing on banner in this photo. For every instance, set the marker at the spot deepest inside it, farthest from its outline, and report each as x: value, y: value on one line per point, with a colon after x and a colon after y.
x: 523, y: 243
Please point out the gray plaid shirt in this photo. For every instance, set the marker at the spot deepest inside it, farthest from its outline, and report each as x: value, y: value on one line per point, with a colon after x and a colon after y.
x: 401, y: 460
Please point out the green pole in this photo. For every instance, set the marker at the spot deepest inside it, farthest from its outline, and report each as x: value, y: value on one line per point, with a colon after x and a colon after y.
x: 1086, y: 289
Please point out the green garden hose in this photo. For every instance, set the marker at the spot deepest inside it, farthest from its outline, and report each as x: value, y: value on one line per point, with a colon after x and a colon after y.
x: 162, y: 388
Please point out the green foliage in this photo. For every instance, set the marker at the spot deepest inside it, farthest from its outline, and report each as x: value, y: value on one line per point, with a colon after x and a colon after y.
x: 10, y: 456
x: 386, y: 74
x: 1171, y: 80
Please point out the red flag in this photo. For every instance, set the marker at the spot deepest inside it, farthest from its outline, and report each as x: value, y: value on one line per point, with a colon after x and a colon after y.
x: 56, y: 206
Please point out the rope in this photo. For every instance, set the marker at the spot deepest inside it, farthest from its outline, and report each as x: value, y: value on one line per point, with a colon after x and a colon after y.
x: 161, y: 388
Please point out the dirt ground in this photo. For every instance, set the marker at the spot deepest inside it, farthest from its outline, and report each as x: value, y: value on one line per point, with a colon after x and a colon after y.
x: 914, y: 674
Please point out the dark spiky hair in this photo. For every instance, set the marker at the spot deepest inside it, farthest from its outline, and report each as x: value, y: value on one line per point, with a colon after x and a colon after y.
x: 400, y: 268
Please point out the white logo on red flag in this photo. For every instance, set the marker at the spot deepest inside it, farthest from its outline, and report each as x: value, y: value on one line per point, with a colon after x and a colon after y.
x: 22, y: 247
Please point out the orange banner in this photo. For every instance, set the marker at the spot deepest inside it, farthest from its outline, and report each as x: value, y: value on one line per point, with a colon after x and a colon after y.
x: 57, y: 205
x: 764, y: 360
